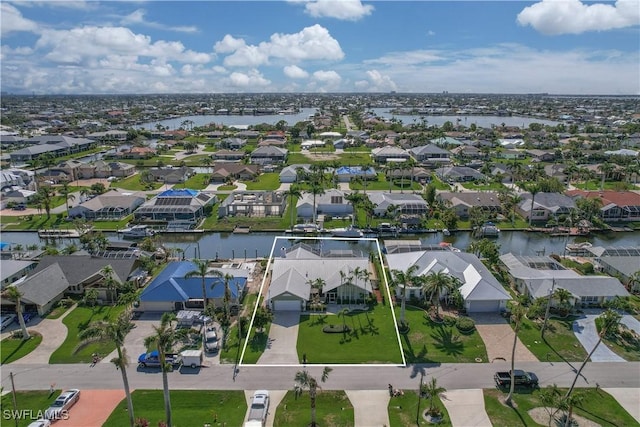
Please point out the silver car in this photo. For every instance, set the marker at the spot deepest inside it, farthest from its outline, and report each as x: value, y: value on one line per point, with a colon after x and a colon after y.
x: 6, y: 320
x: 211, y: 342
x: 60, y: 408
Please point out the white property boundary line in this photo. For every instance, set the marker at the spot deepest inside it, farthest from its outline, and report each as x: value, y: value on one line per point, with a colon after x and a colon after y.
x: 388, y: 296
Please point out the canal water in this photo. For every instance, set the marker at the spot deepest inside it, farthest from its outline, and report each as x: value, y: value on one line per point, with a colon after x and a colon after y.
x: 252, y: 245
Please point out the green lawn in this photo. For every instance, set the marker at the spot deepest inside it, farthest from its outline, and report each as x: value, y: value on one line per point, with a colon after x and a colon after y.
x: 333, y: 408
x: 27, y: 400
x: 608, y: 185
x: 492, y: 186
x: 428, y: 342
x: 560, y: 343
x: 233, y: 346
x: 227, y: 187
x: 266, y: 181
x: 382, y: 184
x: 133, y: 183
x: 372, y: 338
x: 14, y: 349
x: 188, y: 408
x: 404, y: 409
x: 346, y: 159
x: 440, y: 185
x: 598, y: 406
x: 625, y: 345
x: 75, y: 322
x: 198, y: 181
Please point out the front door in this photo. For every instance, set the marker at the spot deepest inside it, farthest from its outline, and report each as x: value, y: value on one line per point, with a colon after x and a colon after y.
x: 332, y: 297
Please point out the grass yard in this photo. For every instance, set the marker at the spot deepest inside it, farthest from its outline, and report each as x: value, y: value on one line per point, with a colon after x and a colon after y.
x: 624, y: 343
x: 133, y: 183
x: 75, y: 322
x: 372, y: 338
x: 440, y: 185
x: 14, y: 349
x: 560, y: 343
x: 403, y: 410
x: 382, y: 184
x: 227, y: 187
x: 28, y: 400
x: 428, y: 342
x: 233, y: 346
x: 608, y: 185
x: 333, y: 409
x: 198, y: 181
x: 598, y: 406
x: 491, y: 186
x: 189, y: 408
x: 266, y: 181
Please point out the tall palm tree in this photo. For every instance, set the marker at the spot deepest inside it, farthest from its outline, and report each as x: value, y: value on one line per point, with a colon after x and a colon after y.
x: 355, y: 199
x: 568, y: 404
x: 113, y: 331
x: 12, y: 293
x: 110, y: 282
x: 563, y: 296
x: 610, y: 321
x: 404, y: 278
x: 65, y: 191
x: 517, y: 314
x: 293, y: 191
x: 605, y: 169
x: 317, y: 189
x: 304, y: 381
x: 45, y: 195
x: 533, y: 188
x: 432, y: 390
x: 164, y: 337
x: 435, y: 284
x: 202, y: 271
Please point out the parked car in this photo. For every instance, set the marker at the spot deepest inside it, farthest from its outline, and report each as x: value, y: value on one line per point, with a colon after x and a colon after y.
x: 26, y: 316
x: 7, y: 319
x: 211, y: 341
x: 40, y: 423
x: 521, y: 378
x: 60, y: 407
x: 259, y: 409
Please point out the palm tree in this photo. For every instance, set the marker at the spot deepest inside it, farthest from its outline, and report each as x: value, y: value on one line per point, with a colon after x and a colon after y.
x: 517, y: 314
x: 304, y: 380
x: 317, y: 189
x: 436, y: 284
x: 634, y: 281
x: 109, y: 282
x: 432, y: 389
x: 113, y: 331
x: 164, y: 337
x: 610, y: 321
x: 605, y: 169
x: 568, y: 403
x: 533, y: 188
x: 68, y: 195
x: 12, y: 293
x: 293, y: 191
x: 404, y: 278
x: 202, y: 271
x: 343, y: 313
x: 355, y: 199
x: 45, y: 195
x: 563, y: 296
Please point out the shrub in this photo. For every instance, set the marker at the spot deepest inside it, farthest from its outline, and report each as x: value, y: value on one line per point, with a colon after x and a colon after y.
x: 449, y: 320
x: 335, y: 329
x: 465, y: 324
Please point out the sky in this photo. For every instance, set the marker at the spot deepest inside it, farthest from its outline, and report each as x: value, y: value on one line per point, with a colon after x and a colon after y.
x: 141, y: 47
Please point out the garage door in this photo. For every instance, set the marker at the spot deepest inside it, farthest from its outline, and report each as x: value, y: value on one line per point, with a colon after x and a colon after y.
x: 484, y: 306
x: 286, y: 305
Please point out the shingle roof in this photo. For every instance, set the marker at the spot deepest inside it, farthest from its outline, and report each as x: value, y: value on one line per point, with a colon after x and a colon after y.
x: 79, y: 268
x: 44, y: 285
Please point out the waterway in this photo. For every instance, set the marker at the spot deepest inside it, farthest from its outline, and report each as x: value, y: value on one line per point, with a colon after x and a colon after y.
x: 254, y: 245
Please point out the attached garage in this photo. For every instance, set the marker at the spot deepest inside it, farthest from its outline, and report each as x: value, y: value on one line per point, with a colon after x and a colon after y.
x: 485, y: 306
x: 287, y: 304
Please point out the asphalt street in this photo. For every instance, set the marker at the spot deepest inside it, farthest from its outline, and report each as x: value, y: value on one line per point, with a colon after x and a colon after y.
x: 452, y: 376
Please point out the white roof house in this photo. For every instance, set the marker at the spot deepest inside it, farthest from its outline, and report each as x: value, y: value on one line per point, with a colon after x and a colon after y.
x: 480, y: 290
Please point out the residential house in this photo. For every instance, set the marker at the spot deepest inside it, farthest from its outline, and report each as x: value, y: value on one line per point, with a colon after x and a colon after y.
x: 113, y: 205
x: 431, y: 154
x: 459, y: 174
x: 445, y: 141
x: 171, y: 175
x: 109, y: 136
x: 542, y: 155
x: 248, y: 134
x: 140, y: 153
x: 331, y: 203
x: 400, y: 203
x: 269, y: 155
x: 229, y: 155
x: 535, y: 276
x: 57, y: 145
x: 293, y: 278
x: 223, y: 172
x: 556, y: 170
x: 71, y: 169
x: 545, y: 206
x: 418, y: 174
x: 348, y: 173
x: 389, y: 153
x: 12, y: 270
x: 510, y: 143
x: 617, y: 206
x: 171, y: 290
x: 253, y: 204
x: 291, y: 173
x: 480, y: 290
x: 102, y: 169
x: 176, y: 205
x: 511, y: 154
x: 468, y: 152
x: 233, y: 143
x: 462, y: 202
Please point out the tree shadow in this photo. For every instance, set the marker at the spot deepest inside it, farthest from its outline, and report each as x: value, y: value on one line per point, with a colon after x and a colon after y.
x: 447, y: 342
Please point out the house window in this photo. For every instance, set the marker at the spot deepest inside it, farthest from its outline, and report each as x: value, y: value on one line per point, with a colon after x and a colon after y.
x: 336, y: 200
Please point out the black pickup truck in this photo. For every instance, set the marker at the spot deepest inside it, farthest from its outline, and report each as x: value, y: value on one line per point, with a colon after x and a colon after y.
x: 522, y: 378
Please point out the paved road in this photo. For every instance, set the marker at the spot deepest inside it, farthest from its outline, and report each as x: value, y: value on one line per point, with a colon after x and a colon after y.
x: 452, y: 376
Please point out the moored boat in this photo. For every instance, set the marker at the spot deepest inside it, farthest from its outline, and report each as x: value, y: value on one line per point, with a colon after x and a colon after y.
x: 136, y: 232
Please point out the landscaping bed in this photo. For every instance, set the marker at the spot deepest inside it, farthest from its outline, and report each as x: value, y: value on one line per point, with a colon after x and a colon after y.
x: 404, y: 409
x: 333, y: 409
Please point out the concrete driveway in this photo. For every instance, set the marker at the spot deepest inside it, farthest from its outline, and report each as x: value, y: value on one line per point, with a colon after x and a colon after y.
x: 466, y: 407
x: 497, y: 335
x: 628, y: 398
x: 586, y: 332
x: 631, y: 322
x: 134, y: 341
x: 370, y: 407
x: 275, y: 397
x: 283, y: 336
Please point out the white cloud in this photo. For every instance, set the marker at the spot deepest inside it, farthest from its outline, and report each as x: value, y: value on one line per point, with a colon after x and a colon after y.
x: 312, y: 43
x: 78, y: 5
x: 348, y: 10
x: 328, y: 81
x: 137, y: 17
x: 248, y: 80
x: 405, y: 58
x: 380, y: 82
x: 11, y: 20
x: 295, y: 72
x: 554, y: 17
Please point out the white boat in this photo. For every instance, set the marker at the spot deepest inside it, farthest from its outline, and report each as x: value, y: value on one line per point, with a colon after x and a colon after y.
x: 136, y: 232
x: 305, y: 228
x: 349, y: 231
x: 446, y: 232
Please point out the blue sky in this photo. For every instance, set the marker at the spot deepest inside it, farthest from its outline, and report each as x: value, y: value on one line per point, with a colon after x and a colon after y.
x: 90, y: 47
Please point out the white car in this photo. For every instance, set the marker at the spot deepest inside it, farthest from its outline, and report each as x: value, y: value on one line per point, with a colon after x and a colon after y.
x: 211, y: 342
x: 40, y: 423
x: 6, y: 320
x: 60, y: 407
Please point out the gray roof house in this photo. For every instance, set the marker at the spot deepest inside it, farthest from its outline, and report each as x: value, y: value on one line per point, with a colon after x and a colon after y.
x: 12, y: 270
x: 41, y: 290
x: 331, y: 203
x: 545, y: 206
x: 112, y: 205
x: 389, y: 153
x: 458, y: 174
x: 171, y: 175
x: 253, y: 204
x: 622, y: 266
x: 405, y: 203
x: 289, y: 173
x: 480, y: 290
x: 269, y: 154
x: 462, y: 202
x: 176, y: 205
x: 430, y: 154
x: 535, y: 276
x: 293, y: 274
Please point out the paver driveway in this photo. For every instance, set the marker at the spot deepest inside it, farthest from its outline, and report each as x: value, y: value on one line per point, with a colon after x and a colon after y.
x: 93, y: 408
x: 586, y: 332
x: 497, y: 335
x: 283, y: 336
